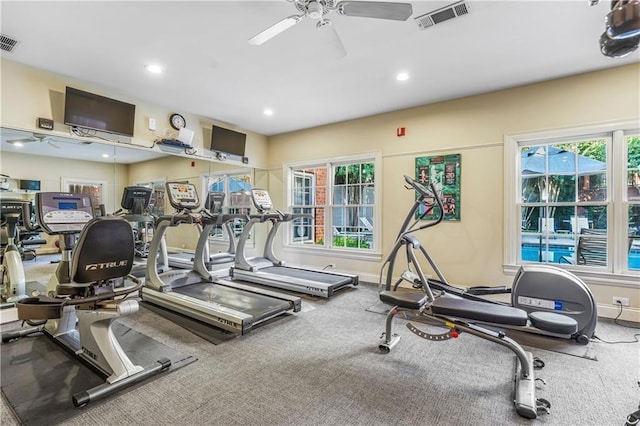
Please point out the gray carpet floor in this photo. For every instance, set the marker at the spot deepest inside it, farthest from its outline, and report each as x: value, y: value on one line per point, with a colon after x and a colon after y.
x: 322, y: 366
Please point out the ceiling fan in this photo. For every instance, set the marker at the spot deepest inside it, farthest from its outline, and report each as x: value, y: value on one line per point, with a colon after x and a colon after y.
x: 37, y: 137
x: 316, y: 9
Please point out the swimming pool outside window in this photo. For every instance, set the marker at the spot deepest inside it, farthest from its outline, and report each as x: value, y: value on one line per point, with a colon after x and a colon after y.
x: 571, y: 205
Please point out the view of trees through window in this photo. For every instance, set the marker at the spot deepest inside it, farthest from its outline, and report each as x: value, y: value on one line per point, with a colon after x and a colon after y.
x: 237, y: 200
x: 339, y: 199
x: 566, y: 202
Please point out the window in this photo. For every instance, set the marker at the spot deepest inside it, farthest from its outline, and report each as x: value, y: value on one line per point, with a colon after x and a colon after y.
x: 96, y: 189
x: 633, y: 201
x: 338, y: 196
x: 567, y: 202
x: 236, y: 201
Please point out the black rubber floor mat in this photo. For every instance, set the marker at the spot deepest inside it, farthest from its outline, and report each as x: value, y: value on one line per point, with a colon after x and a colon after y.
x: 39, y: 376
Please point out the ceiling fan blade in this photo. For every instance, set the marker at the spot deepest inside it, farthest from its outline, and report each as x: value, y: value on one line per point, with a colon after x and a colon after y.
x: 275, y: 29
x: 375, y: 9
x: 331, y: 38
x: 54, y: 145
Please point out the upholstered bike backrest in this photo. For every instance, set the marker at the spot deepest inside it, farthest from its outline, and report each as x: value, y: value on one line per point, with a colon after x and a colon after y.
x: 104, y: 250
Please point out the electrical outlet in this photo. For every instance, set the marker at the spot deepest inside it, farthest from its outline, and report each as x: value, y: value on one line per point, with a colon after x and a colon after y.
x: 624, y: 301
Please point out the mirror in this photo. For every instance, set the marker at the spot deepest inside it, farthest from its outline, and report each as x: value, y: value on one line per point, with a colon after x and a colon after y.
x: 63, y: 163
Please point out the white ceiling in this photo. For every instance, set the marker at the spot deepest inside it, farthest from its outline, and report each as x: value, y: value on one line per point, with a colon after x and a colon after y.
x: 211, y: 70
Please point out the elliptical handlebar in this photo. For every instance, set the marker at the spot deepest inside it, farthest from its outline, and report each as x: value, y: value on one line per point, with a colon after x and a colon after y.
x: 425, y: 196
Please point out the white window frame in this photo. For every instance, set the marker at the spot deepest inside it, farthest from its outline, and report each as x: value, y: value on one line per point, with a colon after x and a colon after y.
x: 226, y: 174
x: 373, y: 254
x: 618, y: 274
x: 312, y: 180
x: 103, y: 184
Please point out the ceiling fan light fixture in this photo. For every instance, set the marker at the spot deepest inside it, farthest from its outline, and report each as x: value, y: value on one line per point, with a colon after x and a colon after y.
x: 315, y: 10
x: 618, y: 48
x: 624, y: 20
x: 331, y: 38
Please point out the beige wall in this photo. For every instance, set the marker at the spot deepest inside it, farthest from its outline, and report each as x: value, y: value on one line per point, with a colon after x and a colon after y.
x: 28, y: 93
x: 469, y: 252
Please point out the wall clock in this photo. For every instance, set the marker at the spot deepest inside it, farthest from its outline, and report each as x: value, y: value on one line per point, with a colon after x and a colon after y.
x: 177, y: 121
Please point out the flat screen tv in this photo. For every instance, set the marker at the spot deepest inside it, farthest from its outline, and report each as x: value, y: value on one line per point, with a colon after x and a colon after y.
x: 29, y: 185
x: 228, y: 141
x: 91, y: 111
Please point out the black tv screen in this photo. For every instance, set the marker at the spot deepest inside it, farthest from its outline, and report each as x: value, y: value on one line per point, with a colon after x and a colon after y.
x: 91, y: 111
x: 30, y: 185
x: 228, y: 141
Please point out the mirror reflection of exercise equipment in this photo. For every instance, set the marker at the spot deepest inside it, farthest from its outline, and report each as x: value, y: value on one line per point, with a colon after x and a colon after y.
x: 214, y: 205
x: 201, y: 294
x: 448, y: 314
x: 96, y: 254
x: 16, y: 225
x: 135, y: 210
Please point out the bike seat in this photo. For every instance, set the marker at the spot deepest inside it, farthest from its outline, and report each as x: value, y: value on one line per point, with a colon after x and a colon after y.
x: 479, y: 311
x: 404, y: 299
x: 554, y: 323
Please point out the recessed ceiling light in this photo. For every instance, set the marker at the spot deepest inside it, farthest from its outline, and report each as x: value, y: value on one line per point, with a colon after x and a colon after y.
x: 16, y: 143
x: 268, y: 111
x: 105, y: 155
x: 402, y: 76
x: 154, y: 69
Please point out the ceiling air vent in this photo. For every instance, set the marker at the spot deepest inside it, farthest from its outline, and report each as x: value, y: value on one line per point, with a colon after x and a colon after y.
x: 443, y: 14
x: 7, y: 43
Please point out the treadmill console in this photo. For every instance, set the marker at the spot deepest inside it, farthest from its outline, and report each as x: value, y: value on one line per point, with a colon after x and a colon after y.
x: 214, y: 202
x: 63, y: 212
x: 19, y: 208
x: 182, y: 195
x: 261, y: 200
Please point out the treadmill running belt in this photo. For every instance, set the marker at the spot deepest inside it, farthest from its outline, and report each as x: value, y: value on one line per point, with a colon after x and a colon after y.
x: 256, y: 305
x: 322, y: 277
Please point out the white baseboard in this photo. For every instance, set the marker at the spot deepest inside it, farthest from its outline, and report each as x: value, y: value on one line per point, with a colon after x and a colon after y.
x: 8, y: 315
x: 611, y: 311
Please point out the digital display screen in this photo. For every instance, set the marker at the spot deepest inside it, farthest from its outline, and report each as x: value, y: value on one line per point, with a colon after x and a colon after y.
x: 67, y: 205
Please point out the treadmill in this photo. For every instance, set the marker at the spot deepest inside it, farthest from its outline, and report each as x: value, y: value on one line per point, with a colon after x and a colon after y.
x: 135, y: 210
x: 201, y: 294
x: 270, y: 271
x: 185, y: 260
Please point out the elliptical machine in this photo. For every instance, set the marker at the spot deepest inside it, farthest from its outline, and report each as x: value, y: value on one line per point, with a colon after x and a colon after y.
x: 537, y: 289
x: 454, y: 315
x: 83, y: 291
